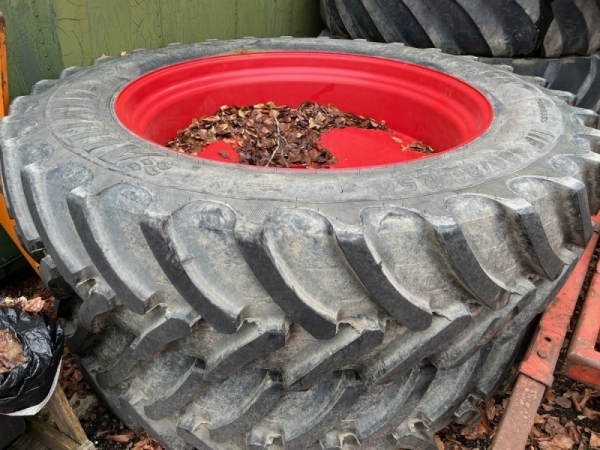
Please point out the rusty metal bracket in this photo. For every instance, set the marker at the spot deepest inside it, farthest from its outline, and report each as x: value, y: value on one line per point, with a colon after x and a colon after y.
x: 537, y: 369
x: 583, y: 360
x: 542, y: 356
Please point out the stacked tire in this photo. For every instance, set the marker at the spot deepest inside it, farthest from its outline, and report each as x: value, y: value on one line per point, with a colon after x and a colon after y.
x: 196, y: 311
x: 506, y: 28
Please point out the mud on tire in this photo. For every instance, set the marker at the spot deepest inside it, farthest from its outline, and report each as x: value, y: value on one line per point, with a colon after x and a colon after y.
x: 189, y: 314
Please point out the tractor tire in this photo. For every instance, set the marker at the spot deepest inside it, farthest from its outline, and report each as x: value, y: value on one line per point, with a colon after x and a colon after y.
x: 189, y: 290
x: 578, y: 75
x: 506, y: 28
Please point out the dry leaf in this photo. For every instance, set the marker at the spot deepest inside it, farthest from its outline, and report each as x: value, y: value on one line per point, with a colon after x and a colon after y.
x: 11, y: 352
x: 34, y: 305
x: 573, y: 431
x: 559, y: 442
x: 563, y: 402
x: 595, y: 440
x: 419, y: 147
x: 126, y: 436
x: 590, y: 413
x: 146, y: 442
x: 579, y: 401
x: 490, y: 409
x: 438, y: 442
x: 536, y: 433
x: 479, y: 431
x: 550, y: 397
x: 552, y: 426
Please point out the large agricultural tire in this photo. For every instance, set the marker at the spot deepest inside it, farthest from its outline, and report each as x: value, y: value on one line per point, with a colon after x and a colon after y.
x: 428, y: 272
x: 500, y: 28
x: 578, y: 75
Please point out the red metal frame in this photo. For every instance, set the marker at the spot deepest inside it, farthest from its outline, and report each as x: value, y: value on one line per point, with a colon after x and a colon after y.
x: 536, y: 370
x: 418, y: 103
x: 583, y: 360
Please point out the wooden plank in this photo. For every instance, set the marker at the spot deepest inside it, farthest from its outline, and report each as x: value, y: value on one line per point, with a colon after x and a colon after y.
x: 73, y: 32
x: 26, y: 442
x: 64, y: 417
x: 33, y: 47
x: 188, y: 21
x: 123, y: 25
x: 50, y: 436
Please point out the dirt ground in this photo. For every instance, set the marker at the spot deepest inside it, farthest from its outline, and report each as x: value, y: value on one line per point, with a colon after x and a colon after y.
x: 568, y: 419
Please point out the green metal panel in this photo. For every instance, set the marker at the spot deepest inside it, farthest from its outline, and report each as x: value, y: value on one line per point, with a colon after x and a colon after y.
x: 189, y: 21
x: 32, y: 42
x: 44, y: 36
x: 73, y: 31
x: 265, y: 18
x: 121, y: 25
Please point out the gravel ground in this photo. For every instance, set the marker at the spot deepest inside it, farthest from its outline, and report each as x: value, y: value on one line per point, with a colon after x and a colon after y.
x: 568, y: 419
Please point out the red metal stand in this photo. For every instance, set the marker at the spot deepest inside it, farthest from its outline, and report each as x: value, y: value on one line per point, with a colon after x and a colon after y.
x: 537, y: 369
x: 583, y: 360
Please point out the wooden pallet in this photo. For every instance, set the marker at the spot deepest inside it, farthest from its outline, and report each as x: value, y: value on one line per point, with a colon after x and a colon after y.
x: 68, y: 434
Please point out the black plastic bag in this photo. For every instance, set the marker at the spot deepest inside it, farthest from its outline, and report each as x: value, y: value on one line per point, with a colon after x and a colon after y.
x: 43, y: 339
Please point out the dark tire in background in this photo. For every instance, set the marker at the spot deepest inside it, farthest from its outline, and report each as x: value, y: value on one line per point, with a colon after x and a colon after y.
x: 189, y: 288
x: 503, y: 28
x: 578, y: 75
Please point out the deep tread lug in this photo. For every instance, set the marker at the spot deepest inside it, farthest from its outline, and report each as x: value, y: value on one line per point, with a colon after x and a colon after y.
x: 166, y: 384
x: 486, y: 223
x: 196, y: 248
x: 15, y: 157
x: 151, y: 332
x: 109, y: 226
x: 226, y: 354
x: 326, y: 356
x: 488, y: 324
x: 412, y: 347
x: 302, y: 248
x: 46, y: 190
x: 562, y: 204
x: 231, y: 408
x: 301, y: 418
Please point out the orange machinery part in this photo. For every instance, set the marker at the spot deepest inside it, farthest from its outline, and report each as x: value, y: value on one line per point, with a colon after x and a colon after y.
x: 7, y: 223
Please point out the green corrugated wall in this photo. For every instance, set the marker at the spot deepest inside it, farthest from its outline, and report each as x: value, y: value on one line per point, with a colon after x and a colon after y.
x: 45, y: 36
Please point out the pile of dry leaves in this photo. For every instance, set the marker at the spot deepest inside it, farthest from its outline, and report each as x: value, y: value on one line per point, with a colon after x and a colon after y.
x: 11, y: 352
x: 11, y: 349
x: 276, y: 136
x: 32, y: 305
x: 566, y: 420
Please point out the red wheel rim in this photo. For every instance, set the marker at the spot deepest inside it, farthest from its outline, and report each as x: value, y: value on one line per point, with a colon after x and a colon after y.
x: 417, y: 103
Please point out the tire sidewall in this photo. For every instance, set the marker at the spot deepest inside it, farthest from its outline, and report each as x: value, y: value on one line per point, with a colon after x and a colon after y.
x: 80, y: 119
